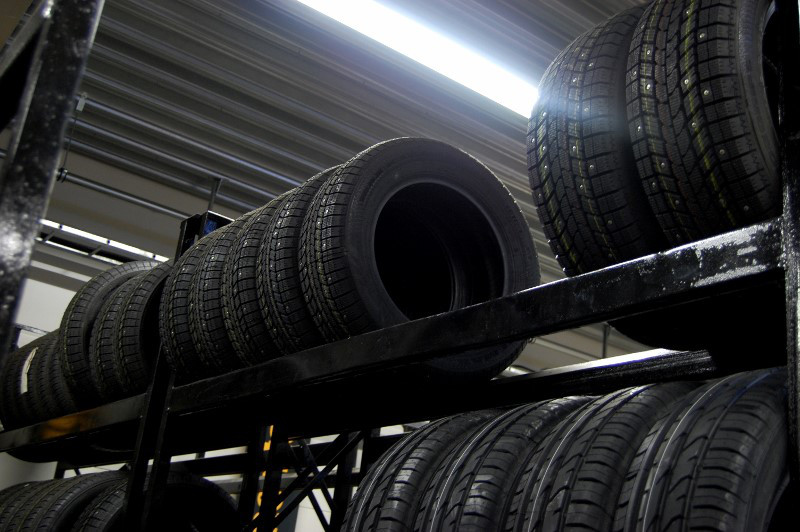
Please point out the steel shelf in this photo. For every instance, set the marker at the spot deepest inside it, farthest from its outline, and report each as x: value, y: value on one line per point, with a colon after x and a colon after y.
x: 329, y: 379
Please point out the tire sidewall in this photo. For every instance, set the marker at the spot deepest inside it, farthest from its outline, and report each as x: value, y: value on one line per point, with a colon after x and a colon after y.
x: 422, y: 161
x: 751, y: 20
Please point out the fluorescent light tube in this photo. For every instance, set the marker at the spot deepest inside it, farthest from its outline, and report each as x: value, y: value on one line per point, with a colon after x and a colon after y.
x: 433, y: 50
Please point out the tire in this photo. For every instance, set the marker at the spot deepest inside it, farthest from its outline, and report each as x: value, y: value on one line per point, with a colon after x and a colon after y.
x: 189, y: 503
x: 174, y: 313
x: 700, y: 118
x: 77, y: 322
x: 9, y: 493
x: 58, y: 503
x: 104, y: 371
x: 136, y: 342
x: 211, y: 334
x: 471, y: 488
x: 409, y: 228
x: 718, y: 460
x: 389, y: 496
x: 17, y: 506
x: 62, y: 399
x: 582, y: 173
x: 280, y: 292
x: 244, y: 319
x: 16, y: 410
x: 574, y: 477
x: 41, y: 399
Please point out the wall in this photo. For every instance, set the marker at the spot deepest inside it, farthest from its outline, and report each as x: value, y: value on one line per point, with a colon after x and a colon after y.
x: 41, y: 305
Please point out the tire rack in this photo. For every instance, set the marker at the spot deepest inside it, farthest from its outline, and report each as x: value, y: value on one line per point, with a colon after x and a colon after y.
x: 323, y: 390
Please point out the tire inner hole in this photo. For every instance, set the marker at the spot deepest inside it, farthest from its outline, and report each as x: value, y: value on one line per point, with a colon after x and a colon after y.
x: 435, y: 251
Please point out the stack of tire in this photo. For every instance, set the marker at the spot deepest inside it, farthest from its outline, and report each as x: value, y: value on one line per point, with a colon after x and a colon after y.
x: 405, y: 229
x: 103, y: 351
x: 676, y: 456
x: 94, y: 502
x: 654, y: 129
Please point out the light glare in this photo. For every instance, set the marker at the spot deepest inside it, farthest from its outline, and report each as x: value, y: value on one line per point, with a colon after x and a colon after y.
x: 433, y: 50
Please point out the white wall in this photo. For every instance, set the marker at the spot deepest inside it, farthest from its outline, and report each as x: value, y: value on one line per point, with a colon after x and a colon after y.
x: 41, y: 305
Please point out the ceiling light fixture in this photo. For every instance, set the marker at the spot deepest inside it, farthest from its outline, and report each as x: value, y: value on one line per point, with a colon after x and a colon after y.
x: 433, y: 50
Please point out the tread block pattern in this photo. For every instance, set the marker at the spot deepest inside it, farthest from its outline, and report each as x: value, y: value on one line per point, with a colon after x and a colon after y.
x: 104, y: 371
x: 573, y: 478
x: 77, y: 323
x: 280, y: 292
x: 717, y: 460
x: 173, y: 318
x: 703, y: 165
x: 212, y: 335
x: 135, y: 345
x: 245, y: 321
x: 471, y: 488
x: 582, y: 174
x: 390, y: 493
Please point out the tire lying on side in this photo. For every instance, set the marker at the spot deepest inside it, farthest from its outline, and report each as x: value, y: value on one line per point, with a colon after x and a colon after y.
x: 410, y: 228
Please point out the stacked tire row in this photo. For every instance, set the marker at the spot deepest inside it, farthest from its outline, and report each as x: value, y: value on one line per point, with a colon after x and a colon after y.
x: 103, y: 350
x: 94, y: 502
x: 405, y: 229
x: 679, y: 456
x: 654, y: 129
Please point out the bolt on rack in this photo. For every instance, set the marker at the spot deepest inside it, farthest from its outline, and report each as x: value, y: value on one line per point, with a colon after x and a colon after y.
x: 303, y: 395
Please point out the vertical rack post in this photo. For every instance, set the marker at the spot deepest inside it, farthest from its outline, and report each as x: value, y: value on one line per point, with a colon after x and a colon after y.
x: 56, y: 67
x: 789, y: 123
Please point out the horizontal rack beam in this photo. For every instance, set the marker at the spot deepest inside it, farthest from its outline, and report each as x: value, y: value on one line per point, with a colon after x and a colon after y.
x: 285, y: 387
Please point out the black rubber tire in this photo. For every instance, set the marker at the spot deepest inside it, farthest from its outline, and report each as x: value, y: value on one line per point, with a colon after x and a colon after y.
x: 34, y: 402
x: 174, y: 312
x: 280, y: 292
x: 9, y: 493
x: 62, y: 400
x: 471, y: 487
x: 17, y: 505
x: 699, y: 116
x: 41, y: 398
x: 389, y: 496
x: 211, y: 334
x: 585, y: 185
x: 104, y: 371
x: 574, y: 477
x: 718, y: 459
x: 17, y: 408
x: 136, y: 340
x: 244, y: 318
x: 77, y: 323
x: 58, y: 503
x: 189, y: 503
x: 409, y: 228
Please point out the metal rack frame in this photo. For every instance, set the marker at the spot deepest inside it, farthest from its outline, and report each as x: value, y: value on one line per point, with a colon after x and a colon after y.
x: 314, y: 392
